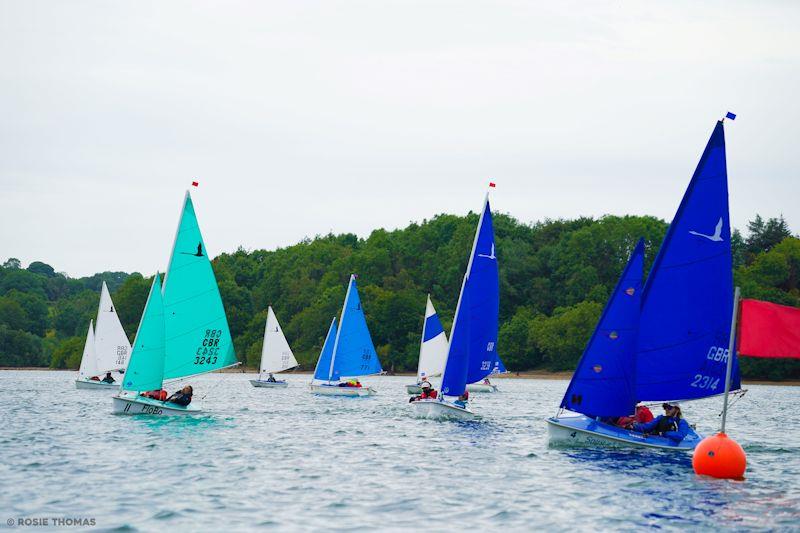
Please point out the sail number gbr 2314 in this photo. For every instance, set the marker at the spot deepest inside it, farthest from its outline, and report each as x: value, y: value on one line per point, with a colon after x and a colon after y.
x: 206, y: 353
x: 718, y: 355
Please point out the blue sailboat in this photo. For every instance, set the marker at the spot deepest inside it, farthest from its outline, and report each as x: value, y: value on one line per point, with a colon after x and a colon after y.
x: 347, y: 353
x: 667, y: 341
x: 473, y: 338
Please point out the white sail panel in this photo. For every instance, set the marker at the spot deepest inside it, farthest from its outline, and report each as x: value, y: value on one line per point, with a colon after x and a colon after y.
x: 88, y: 361
x: 276, y: 355
x: 433, y: 347
x: 112, y: 347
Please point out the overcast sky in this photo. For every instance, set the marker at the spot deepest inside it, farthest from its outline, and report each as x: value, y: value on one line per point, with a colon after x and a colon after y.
x: 300, y: 118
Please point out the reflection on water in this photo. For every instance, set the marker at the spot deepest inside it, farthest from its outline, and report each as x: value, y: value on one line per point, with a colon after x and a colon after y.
x: 285, y: 458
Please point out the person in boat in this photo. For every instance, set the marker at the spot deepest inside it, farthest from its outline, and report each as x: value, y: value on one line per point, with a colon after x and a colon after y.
x: 423, y: 381
x: 182, y: 397
x: 94, y: 378
x: 108, y: 378
x: 159, y: 395
x: 642, y: 415
x: 271, y: 378
x: 487, y: 382
x: 351, y: 383
x: 428, y: 393
x: 463, y: 399
x: 670, y: 425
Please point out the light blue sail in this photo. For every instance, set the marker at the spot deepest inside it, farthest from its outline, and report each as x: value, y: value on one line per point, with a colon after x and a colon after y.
x: 603, y: 382
x: 473, y: 338
x: 353, y: 352
x: 146, y: 366
x: 198, y: 339
x: 322, y: 370
x: 688, y: 298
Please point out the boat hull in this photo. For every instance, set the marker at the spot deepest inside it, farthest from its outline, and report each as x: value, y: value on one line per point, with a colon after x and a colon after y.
x: 441, y: 410
x: 413, y: 389
x: 269, y: 384
x: 139, y: 405
x: 480, y: 387
x: 95, y: 385
x: 583, y: 431
x: 335, y: 390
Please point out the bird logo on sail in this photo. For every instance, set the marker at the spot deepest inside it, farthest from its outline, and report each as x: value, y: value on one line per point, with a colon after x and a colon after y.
x: 491, y: 254
x: 716, y: 237
x: 199, y: 252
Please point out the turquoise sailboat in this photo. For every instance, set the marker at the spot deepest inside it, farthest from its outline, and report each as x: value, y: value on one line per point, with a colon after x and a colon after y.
x: 183, y: 331
x: 348, y: 352
x: 666, y: 341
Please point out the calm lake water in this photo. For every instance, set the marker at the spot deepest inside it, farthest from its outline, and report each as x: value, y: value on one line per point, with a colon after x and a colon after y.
x: 285, y: 459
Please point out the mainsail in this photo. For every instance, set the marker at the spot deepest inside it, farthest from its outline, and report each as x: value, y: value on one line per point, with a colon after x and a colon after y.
x: 687, y: 302
x: 322, y: 370
x: 146, y: 366
x: 603, y: 382
x: 198, y: 339
x: 111, y: 342
x: 88, y: 366
x: 433, y: 347
x: 276, y: 355
x: 473, y: 338
x: 353, y: 351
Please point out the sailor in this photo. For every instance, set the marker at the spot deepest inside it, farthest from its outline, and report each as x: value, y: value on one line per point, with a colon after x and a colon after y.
x: 424, y: 380
x: 428, y: 392
x: 487, y: 382
x: 108, y: 378
x: 182, y: 397
x: 642, y: 415
x: 271, y: 378
x: 462, y: 400
x: 670, y: 425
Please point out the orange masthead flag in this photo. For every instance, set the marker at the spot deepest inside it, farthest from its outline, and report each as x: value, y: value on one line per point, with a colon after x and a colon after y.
x: 769, y: 330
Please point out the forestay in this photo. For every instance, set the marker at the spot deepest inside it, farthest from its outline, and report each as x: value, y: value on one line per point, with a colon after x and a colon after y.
x: 688, y: 298
x: 146, y: 366
x: 276, y: 355
x: 473, y: 338
x: 433, y: 348
x: 111, y: 342
x: 322, y: 370
x: 603, y: 382
x: 353, y: 351
x: 198, y: 338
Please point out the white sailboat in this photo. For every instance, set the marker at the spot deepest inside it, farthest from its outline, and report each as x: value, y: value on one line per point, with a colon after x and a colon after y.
x: 276, y: 355
x: 432, y: 349
x: 106, y: 348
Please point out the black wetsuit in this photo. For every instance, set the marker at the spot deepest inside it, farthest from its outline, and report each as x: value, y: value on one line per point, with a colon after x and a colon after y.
x: 180, y: 398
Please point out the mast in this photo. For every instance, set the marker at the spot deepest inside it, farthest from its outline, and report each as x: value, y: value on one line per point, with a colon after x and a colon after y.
x: 731, y: 355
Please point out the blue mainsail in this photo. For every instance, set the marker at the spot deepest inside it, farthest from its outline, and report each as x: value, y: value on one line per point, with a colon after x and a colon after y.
x: 602, y: 384
x: 473, y: 338
x: 353, y: 351
x: 688, y: 298
x: 322, y: 370
x: 499, y: 367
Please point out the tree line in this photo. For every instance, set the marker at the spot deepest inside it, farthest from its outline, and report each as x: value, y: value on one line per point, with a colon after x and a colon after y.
x: 555, y: 277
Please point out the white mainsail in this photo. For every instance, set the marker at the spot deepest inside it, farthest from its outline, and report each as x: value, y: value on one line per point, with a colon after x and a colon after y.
x: 88, y: 367
x: 111, y: 345
x: 433, y: 346
x: 276, y: 355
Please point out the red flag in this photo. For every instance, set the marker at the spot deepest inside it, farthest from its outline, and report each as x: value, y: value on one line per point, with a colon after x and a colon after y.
x: 195, y: 184
x: 491, y: 184
x: 769, y: 330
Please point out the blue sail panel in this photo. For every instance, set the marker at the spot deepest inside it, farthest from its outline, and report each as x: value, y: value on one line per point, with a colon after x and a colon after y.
x: 321, y: 372
x: 473, y: 340
x: 433, y: 327
x: 602, y: 384
x: 354, y: 354
x: 688, y: 298
x: 499, y: 367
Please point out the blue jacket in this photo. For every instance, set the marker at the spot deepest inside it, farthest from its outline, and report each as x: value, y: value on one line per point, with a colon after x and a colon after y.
x: 675, y: 435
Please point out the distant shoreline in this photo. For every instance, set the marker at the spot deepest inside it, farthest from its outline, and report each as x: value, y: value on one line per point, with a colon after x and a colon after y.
x: 530, y: 374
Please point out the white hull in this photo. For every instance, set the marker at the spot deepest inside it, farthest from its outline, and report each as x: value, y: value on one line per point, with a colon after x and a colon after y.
x: 269, y: 384
x: 413, y: 389
x: 441, y: 410
x: 328, y: 390
x: 95, y: 385
x: 146, y: 406
x: 480, y: 387
x: 567, y: 431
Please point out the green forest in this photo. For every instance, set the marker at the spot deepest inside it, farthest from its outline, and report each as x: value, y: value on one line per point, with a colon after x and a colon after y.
x: 555, y: 277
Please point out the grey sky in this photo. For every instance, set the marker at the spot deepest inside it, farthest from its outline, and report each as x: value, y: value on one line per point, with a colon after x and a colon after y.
x: 300, y: 118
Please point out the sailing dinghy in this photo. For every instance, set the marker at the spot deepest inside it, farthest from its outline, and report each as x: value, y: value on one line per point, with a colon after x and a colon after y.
x: 483, y: 386
x: 347, y: 352
x: 668, y: 341
x: 183, y: 331
x: 432, y: 349
x: 106, y: 348
x: 276, y: 355
x: 473, y: 337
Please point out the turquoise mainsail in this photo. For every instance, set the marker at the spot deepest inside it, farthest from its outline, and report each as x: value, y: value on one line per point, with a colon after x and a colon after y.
x: 146, y: 366
x: 321, y: 372
x: 198, y: 339
x: 353, y: 351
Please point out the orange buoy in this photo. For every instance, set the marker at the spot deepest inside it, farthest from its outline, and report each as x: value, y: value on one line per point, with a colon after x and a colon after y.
x: 719, y: 456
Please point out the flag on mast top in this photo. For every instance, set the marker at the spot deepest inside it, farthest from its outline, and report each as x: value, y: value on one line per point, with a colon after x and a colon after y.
x: 730, y: 115
x: 491, y: 184
x: 195, y: 184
